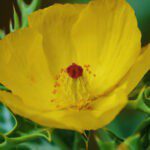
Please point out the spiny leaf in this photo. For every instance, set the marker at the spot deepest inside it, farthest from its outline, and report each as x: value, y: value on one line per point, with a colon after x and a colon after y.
x: 22, y: 130
x: 142, y: 101
x: 131, y: 143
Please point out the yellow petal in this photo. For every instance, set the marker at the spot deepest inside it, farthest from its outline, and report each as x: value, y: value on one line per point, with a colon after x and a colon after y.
x: 24, y: 68
x: 107, y: 107
x: 36, y: 18
x: 71, y: 119
x: 141, y: 66
x: 17, y: 105
x: 55, y: 25
x: 106, y: 37
x: 104, y: 111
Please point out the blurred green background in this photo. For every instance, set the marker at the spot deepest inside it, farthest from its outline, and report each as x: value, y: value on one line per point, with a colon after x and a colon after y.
x: 131, y: 127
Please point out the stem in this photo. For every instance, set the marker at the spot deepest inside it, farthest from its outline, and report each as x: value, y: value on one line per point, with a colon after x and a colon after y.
x: 132, y: 104
x: 10, y: 142
x: 76, y: 141
x: 57, y: 140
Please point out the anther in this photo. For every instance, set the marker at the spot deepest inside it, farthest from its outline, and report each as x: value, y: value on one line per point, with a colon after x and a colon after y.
x: 56, y: 84
x: 54, y: 91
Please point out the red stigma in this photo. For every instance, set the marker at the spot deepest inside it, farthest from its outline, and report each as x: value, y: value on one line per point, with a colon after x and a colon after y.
x: 74, y: 71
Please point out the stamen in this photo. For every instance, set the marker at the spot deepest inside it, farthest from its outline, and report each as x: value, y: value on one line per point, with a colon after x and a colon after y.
x: 56, y: 84
x: 74, y: 92
x: 54, y: 91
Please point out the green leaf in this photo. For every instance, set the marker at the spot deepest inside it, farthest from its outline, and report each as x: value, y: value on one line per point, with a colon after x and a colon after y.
x: 2, y: 87
x: 67, y: 140
x: 126, y: 123
x: 2, y: 34
x: 7, y: 120
x: 9, y: 143
x: 21, y: 130
x: 145, y: 137
x: 78, y: 141
x: 105, y: 140
x: 106, y: 145
x: 144, y: 130
x: 63, y: 138
x: 26, y: 10
x: 25, y: 127
x: 143, y: 125
x: 38, y: 144
x: 142, y: 102
x: 131, y: 143
x: 16, y: 22
x: 146, y: 96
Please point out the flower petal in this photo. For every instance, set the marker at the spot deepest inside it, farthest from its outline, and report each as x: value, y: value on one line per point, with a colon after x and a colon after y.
x: 104, y: 111
x: 36, y: 18
x: 17, y: 105
x: 106, y: 36
x: 110, y: 104
x: 55, y: 25
x: 24, y: 69
x: 141, y: 66
x: 74, y: 120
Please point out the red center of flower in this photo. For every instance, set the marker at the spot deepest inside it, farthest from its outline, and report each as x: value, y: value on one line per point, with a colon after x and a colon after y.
x: 74, y: 71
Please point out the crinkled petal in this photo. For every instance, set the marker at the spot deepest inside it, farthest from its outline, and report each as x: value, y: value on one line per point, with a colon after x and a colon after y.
x: 24, y: 69
x: 17, y: 105
x: 138, y: 70
x: 55, y: 25
x: 104, y: 111
x: 106, y: 37
x: 108, y: 106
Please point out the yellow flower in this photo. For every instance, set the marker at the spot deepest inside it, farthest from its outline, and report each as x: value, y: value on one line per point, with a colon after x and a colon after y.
x: 75, y: 64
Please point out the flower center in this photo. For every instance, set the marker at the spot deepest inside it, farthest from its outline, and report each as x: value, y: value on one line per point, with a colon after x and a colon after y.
x: 75, y: 71
x: 72, y: 87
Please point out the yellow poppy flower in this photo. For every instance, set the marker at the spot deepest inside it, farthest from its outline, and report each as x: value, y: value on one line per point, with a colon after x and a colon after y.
x: 75, y: 64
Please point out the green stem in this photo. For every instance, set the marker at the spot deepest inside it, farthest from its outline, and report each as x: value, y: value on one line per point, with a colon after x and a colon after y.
x: 76, y: 141
x: 10, y: 142
x: 57, y: 140
x: 132, y: 104
x: 144, y: 124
